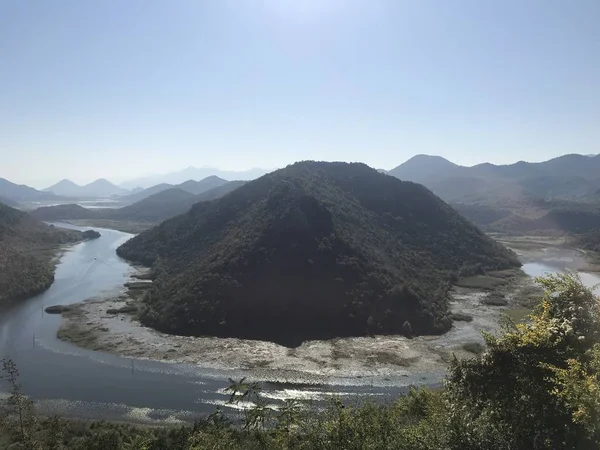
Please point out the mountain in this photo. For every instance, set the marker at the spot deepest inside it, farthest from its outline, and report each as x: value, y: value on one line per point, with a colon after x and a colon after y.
x: 191, y: 186
x: 567, y: 177
x: 198, y: 187
x: 169, y: 203
x: 100, y: 188
x: 145, y: 193
x: 157, y: 207
x: 315, y: 250
x: 192, y: 173
x: 65, y: 188
x: 21, y: 193
x: 65, y: 212
x: 424, y: 167
x: 219, y: 191
x: 27, y: 248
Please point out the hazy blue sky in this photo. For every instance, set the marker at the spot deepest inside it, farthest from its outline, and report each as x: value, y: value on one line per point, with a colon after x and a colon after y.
x: 123, y: 88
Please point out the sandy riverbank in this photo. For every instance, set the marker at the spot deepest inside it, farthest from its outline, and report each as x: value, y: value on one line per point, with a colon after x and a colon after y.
x: 90, y: 325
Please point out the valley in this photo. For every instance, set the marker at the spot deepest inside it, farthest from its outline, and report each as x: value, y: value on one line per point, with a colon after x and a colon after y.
x: 103, y: 332
x: 131, y: 361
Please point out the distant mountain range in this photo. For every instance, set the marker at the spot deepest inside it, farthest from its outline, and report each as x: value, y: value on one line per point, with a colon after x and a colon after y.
x: 567, y: 177
x: 101, y: 188
x: 190, y: 186
x: 155, y: 208
x: 192, y: 173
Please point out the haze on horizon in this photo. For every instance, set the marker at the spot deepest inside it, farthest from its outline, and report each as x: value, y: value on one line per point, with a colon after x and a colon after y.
x: 118, y: 89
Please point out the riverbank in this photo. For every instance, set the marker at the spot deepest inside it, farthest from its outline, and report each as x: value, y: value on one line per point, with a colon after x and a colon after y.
x: 95, y: 325
x: 554, y: 249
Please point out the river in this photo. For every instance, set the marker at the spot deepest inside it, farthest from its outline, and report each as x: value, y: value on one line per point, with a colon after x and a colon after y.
x: 74, y: 382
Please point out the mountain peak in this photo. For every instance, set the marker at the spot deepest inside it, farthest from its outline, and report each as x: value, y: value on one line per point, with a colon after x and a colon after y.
x: 420, y: 168
x: 101, y: 182
x: 62, y: 184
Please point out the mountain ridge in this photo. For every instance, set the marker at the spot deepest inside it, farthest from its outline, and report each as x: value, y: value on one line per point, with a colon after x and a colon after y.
x: 566, y: 176
x: 193, y: 173
x: 191, y: 186
x: 100, y: 188
x: 22, y: 193
x: 159, y: 206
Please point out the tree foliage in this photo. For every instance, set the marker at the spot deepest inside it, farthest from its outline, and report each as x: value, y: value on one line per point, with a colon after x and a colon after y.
x: 536, y: 385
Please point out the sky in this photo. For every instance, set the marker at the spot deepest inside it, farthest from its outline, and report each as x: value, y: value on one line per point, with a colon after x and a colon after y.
x: 119, y: 89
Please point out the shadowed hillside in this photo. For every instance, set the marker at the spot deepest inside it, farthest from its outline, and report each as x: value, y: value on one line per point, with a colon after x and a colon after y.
x: 27, y: 248
x: 314, y: 250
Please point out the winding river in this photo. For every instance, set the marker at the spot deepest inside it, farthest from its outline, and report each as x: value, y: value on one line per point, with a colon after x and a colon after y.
x: 74, y: 382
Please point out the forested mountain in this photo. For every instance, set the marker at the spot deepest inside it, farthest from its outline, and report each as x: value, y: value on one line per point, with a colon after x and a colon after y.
x: 567, y: 177
x: 64, y: 212
x: 27, y: 247
x: 100, y: 188
x: 21, y: 193
x: 312, y: 251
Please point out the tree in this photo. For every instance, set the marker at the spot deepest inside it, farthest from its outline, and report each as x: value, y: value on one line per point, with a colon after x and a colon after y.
x: 18, y: 416
x: 536, y: 386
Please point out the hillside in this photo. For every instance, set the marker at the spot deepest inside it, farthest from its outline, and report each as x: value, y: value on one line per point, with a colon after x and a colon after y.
x: 8, y: 202
x: 533, y: 214
x: 314, y: 250
x: 64, y: 212
x: 160, y: 206
x: 198, y: 187
x: 22, y: 193
x: 27, y: 248
x: 145, y: 193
